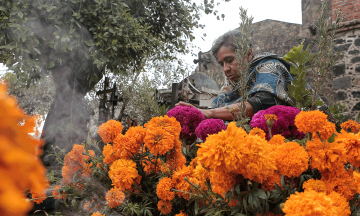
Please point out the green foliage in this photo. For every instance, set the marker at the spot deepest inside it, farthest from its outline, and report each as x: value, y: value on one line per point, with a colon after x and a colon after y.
x: 243, y: 44
x: 338, y: 110
x: 33, y: 97
x: 40, y: 36
x: 299, y: 91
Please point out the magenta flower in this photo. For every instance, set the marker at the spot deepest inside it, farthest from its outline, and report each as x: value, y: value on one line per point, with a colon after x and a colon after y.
x: 285, y: 125
x: 189, y: 119
x: 208, y: 127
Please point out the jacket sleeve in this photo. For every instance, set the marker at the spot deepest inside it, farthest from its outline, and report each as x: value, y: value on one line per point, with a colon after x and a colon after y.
x: 261, y: 101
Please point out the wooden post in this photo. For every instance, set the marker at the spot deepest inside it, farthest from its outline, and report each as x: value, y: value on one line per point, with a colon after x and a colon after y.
x: 174, y: 94
x: 129, y: 122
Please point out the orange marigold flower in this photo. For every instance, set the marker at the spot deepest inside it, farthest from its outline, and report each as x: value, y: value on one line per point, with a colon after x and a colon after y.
x: 177, y: 145
x: 257, y: 132
x: 163, y: 189
x: 114, y: 197
x: 57, y: 194
x: 315, y: 184
x: 325, y: 156
x: 233, y: 203
x: 87, y: 206
x: 222, y: 182
x: 97, y: 214
x: 165, y: 168
x: 164, y: 206
x: 356, y: 176
x: 125, y: 147
x: 137, y: 133
x: 21, y: 168
x: 277, y: 140
x: 38, y: 197
x: 74, y: 161
x: 291, y: 159
x: 341, y: 182
x: 220, y: 152
x: 108, y: 154
x: 78, y: 186
x: 341, y: 203
x: 123, y: 172
x: 310, y: 121
x: 158, y: 141
x: 351, y: 143
x: 170, y: 125
x: 270, y: 181
x: 271, y: 117
x: 149, y: 165
x: 257, y: 154
x: 351, y: 125
x: 310, y: 203
x: 181, y: 214
x: 175, y: 160
x: 109, y: 130
x: 326, y: 132
x: 180, y: 183
x: 201, y: 174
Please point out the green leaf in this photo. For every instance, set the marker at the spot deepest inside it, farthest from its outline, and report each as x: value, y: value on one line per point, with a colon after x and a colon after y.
x: 283, y: 181
x: 20, y: 14
x: 37, y: 51
x: 74, y: 203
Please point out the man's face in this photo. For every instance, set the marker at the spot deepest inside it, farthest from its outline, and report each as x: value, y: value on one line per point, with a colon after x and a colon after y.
x: 227, y: 59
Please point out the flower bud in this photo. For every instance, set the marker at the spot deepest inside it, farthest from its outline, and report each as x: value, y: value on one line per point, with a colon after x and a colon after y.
x: 282, y: 205
x: 270, y: 122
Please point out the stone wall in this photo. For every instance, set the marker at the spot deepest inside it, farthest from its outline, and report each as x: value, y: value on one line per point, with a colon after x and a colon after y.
x: 275, y: 37
x: 346, y: 74
x: 346, y: 82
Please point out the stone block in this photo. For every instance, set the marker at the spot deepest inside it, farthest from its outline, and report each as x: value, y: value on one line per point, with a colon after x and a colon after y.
x: 342, y: 83
x: 357, y: 69
x: 356, y: 107
x: 357, y: 42
x: 342, y: 48
x: 357, y: 81
x: 354, y: 52
x: 340, y: 96
x: 356, y: 94
x: 339, y: 41
x: 355, y: 59
x: 339, y: 69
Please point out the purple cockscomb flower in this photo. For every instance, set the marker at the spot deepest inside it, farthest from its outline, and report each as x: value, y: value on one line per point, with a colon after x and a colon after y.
x: 208, y: 127
x: 189, y: 119
x: 285, y: 125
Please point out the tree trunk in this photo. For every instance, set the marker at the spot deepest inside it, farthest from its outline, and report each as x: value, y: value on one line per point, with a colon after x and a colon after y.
x: 66, y: 122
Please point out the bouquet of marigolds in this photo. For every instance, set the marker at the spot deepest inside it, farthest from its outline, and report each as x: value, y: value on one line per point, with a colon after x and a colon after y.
x: 310, y: 169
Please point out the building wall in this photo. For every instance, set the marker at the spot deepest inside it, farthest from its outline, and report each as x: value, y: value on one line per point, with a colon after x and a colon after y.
x: 351, y: 9
x: 275, y: 37
x: 346, y: 74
